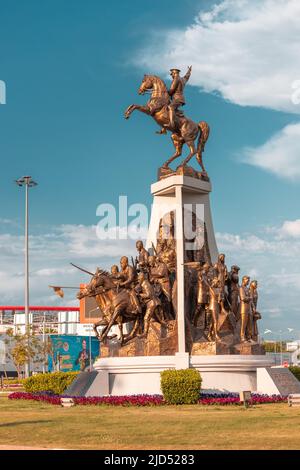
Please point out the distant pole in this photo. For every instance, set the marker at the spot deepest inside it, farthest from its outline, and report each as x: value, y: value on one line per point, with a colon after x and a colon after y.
x: 281, y: 361
x: 90, y: 347
x: 28, y: 183
x: 44, y: 358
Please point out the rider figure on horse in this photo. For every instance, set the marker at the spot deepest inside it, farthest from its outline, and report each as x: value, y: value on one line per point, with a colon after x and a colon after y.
x: 176, y: 93
x: 128, y: 276
x: 115, y: 275
x: 163, y: 108
x: 177, y: 96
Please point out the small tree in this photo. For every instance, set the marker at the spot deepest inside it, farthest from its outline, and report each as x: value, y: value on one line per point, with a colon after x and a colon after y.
x: 22, y: 348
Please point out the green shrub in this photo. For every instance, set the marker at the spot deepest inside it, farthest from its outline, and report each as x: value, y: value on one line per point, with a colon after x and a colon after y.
x: 56, y: 382
x: 181, y: 387
x: 296, y: 371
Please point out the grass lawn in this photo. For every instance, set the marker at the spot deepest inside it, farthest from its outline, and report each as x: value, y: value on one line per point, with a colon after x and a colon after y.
x: 24, y: 423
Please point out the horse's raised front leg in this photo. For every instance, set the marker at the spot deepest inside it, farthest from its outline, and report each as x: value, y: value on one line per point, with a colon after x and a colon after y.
x: 95, y: 325
x: 178, y: 143
x: 133, y: 107
x: 109, y: 325
x: 120, y: 325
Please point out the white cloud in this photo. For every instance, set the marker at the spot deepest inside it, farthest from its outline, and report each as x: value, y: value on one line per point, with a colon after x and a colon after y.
x: 246, y: 50
x: 291, y: 228
x: 280, y: 155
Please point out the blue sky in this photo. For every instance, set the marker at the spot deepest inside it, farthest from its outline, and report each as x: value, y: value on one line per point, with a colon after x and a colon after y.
x: 72, y: 67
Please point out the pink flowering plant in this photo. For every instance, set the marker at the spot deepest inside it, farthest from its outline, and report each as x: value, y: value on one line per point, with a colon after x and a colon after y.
x: 234, y: 399
x: 145, y: 400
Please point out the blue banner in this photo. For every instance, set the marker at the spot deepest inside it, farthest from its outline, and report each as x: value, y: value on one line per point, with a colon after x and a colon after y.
x: 72, y: 353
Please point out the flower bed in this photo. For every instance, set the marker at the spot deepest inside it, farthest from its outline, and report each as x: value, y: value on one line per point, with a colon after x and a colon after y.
x: 145, y: 400
x: 130, y: 400
x: 46, y: 397
x: 234, y: 399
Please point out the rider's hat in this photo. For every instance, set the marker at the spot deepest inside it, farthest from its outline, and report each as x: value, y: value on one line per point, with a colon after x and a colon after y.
x: 175, y: 70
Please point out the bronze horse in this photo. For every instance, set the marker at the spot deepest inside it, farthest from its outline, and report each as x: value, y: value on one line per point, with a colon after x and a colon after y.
x: 187, y: 130
x: 115, y: 305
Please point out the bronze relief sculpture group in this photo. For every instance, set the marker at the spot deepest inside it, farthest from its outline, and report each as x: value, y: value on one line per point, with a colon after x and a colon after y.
x: 136, y: 292
x: 219, y: 292
x: 146, y: 290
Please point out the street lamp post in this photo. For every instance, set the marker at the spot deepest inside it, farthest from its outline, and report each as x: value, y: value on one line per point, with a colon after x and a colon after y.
x: 44, y: 319
x: 280, y: 339
x: 28, y: 182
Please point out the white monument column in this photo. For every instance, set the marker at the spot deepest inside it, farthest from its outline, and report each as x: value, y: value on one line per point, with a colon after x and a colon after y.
x: 180, y: 269
x: 173, y: 194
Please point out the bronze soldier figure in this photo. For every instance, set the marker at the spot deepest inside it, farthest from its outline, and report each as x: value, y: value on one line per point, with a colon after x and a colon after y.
x: 159, y: 274
x: 215, y: 307
x: 142, y: 259
x: 245, y: 310
x: 166, y: 245
x: 176, y: 93
x: 255, y: 314
x: 168, y: 256
x: 162, y: 240
x: 115, y: 275
x: 233, y: 290
x: 128, y: 277
x: 115, y: 270
x: 221, y: 271
x: 203, y: 293
x: 148, y: 296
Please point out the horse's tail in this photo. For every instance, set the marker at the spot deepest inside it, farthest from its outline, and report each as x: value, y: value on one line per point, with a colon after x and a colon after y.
x: 204, y: 134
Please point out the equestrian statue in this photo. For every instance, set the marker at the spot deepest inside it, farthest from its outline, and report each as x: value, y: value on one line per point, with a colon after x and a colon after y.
x: 164, y: 106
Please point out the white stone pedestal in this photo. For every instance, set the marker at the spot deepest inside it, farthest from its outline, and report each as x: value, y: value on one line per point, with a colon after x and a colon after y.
x: 141, y: 374
x: 229, y: 372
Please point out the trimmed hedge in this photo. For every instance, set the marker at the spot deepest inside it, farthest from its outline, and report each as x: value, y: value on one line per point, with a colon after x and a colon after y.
x: 181, y: 387
x: 55, y: 382
x: 296, y: 371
